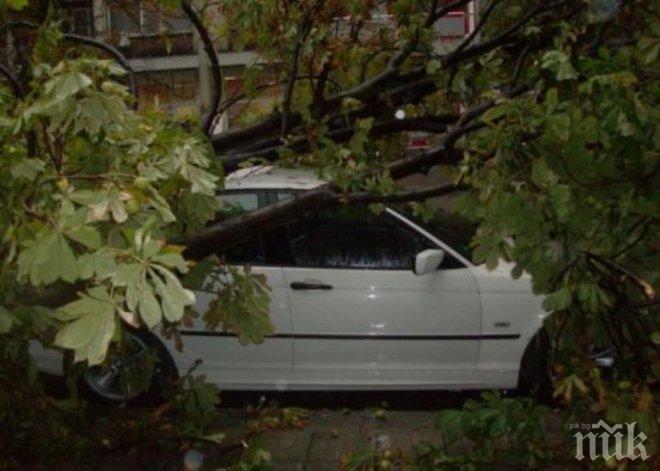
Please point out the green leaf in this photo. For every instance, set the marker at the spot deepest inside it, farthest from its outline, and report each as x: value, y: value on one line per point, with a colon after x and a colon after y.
x: 542, y: 175
x: 552, y: 100
x: 495, y: 113
x: 117, y: 208
x: 27, y: 169
x: 655, y: 337
x: 517, y: 271
x: 128, y: 274
x: 150, y: 310
x: 624, y: 126
x: 49, y: 258
x: 5, y: 320
x: 561, y: 197
x: 174, y: 297
x: 349, y: 104
x: 433, y: 66
x: 160, y: 204
x: 558, y: 62
x: 17, y: 4
x: 86, y: 197
x: 197, y: 276
x: 101, y: 263
x: 560, y: 126
x: 89, y: 335
x: 448, y: 419
x: 216, y: 438
x: 66, y: 85
x: 492, y: 260
x: 85, y: 235
x: 364, y: 124
x: 557, y: 301
x: 171, y: 260
x: 246, y: 314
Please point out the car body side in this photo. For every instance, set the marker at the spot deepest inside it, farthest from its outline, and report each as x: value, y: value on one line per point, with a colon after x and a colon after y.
x: 510, y: 316
x: 508, y: 307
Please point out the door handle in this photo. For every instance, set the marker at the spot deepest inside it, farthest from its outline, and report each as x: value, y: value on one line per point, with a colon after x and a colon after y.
x: 306, y: 285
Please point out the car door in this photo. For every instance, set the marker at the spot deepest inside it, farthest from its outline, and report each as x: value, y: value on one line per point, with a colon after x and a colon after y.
x: 225, y: 360
x: 360, y: 314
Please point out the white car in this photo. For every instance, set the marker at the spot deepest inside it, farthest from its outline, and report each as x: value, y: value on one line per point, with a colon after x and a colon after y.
x: 360, y: 301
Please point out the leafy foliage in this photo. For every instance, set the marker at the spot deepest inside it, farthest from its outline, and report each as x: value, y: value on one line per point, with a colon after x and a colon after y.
x: 254, y: 458
x: 493, y: 431
x: 34, y: 424
x: 271, y: 418
x: 93, y: 195
x: 565, y: 183
x: 240, y: 307
x: 194, y: 403
x: 100, y: 226
x: 501, y: 430
x: 551, y: 112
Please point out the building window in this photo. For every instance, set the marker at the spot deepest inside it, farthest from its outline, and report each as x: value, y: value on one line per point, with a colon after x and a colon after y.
x: 147, y: 19
x: 78, y: 17
x: 174, y: 93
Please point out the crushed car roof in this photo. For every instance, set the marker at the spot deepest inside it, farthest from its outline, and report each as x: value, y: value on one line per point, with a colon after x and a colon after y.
x: 269, y: 177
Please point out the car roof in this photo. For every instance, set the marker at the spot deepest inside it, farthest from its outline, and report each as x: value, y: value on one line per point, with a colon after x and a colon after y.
x: 265, y: 177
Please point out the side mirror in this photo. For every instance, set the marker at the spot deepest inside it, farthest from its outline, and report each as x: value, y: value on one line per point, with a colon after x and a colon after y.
x: 428, y: 261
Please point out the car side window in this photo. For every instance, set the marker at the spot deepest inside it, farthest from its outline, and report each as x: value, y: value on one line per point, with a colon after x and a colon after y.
x: 271, y: 248
x: 353, y: 242
x: 247, y: 252
x: 345, y: 238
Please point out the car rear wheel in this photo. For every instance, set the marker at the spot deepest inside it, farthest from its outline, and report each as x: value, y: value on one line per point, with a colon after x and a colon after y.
x: 124, y: 376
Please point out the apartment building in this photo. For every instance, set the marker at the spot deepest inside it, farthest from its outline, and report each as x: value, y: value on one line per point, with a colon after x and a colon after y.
x: 171, y: 68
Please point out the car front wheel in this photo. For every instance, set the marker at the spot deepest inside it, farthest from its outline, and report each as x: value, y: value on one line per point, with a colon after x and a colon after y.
x: 535, y: 378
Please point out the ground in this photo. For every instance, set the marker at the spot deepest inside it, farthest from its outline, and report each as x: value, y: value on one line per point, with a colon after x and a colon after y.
x: 332, y: 435
x: 343, y: 423
x: 322, y: 429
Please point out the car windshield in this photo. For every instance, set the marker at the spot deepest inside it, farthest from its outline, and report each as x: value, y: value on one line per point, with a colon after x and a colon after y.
x: 451, y: 228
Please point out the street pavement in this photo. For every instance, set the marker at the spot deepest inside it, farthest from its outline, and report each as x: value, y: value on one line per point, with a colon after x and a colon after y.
x: 332, y: 435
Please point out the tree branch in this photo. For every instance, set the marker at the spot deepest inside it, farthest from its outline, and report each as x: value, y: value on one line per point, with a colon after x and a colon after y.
x: 367, y: 87
x: 12, y: 80
x: 114, y: 52
x: 463, y: 126
x: 293, y: 72
x: 224, y: 233
x: 431, y: 124
x: 519, y: 63
x: 401, y: 197
x: 395, y: 84
x: 644, y: 287
x: 87, y: 41
x: 216, y: 72
x: 507, y: 34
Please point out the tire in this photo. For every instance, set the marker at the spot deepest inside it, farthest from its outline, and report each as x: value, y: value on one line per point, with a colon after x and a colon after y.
x: 103, y: 383
x: 535, y: 379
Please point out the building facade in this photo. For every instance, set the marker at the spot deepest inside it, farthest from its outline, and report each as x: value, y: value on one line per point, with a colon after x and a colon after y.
x: 172, y: 73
